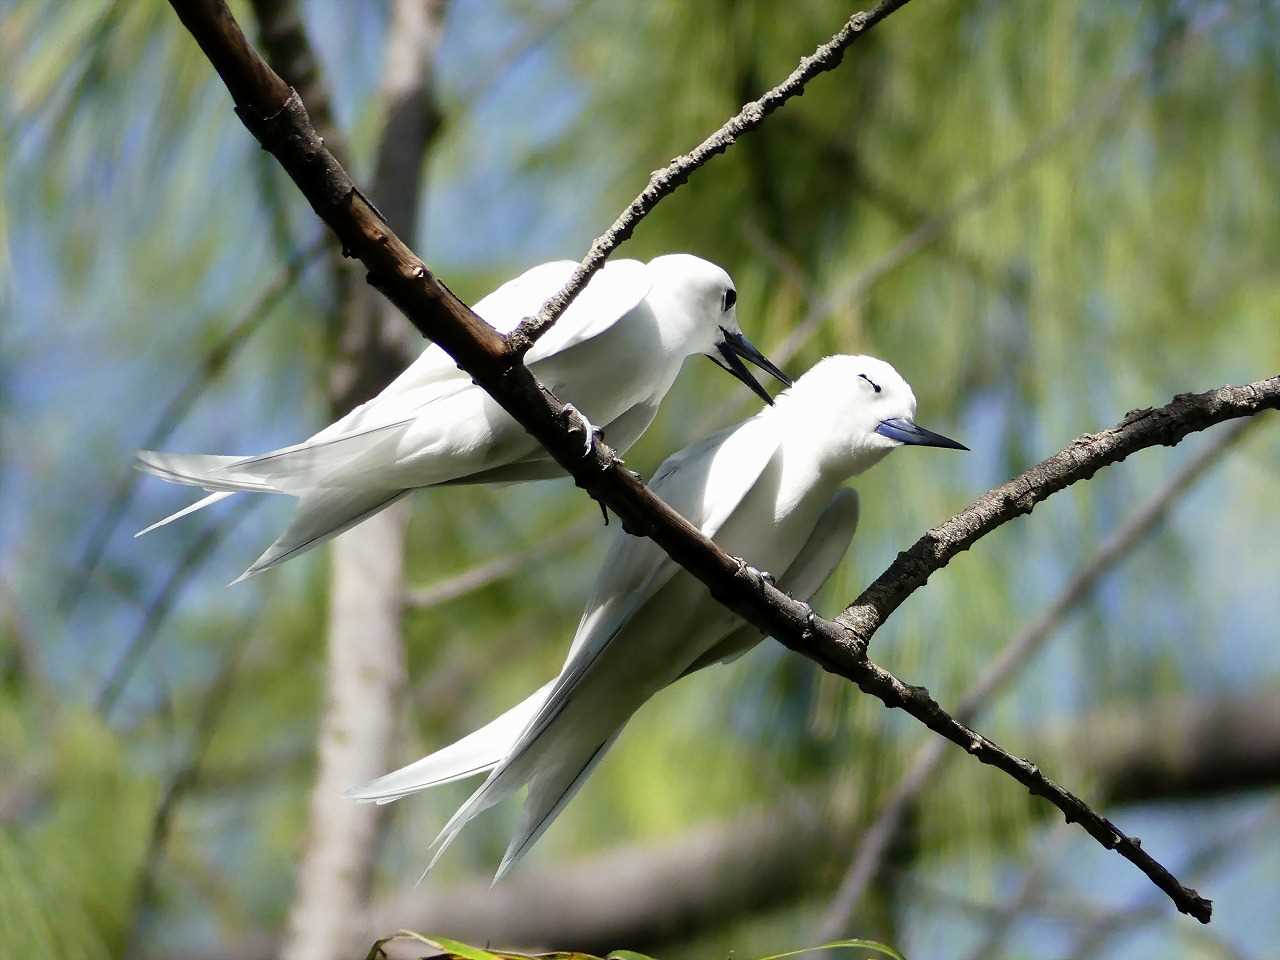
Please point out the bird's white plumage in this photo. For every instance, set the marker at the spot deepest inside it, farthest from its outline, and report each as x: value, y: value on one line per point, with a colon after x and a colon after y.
x: 614, y: 354
x: 480, y: 751
x: 767, y: 490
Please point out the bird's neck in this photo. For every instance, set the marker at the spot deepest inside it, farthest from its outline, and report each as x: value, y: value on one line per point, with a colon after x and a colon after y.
x: 812, y: 436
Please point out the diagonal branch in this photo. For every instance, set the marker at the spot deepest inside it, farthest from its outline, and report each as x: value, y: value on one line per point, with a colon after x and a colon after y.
x: 665, y: 181
x: 878, y: 839
x: 1079, y: 460
x: 364, y: 642
x: 274, y: 113
x: 288, y: 49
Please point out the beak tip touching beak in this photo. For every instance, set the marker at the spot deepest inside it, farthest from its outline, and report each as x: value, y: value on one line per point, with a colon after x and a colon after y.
x: 735, y: 348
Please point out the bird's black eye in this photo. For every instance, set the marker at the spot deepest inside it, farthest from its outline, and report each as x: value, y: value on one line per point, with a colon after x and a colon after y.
x: 728, y: 300
x: 874, y: 386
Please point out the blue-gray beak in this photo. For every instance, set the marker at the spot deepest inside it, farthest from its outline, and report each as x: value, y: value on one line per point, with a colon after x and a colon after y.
x: 734, y: 348
x: 906, y: 431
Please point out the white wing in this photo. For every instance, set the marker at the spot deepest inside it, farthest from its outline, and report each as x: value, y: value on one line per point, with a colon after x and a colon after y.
x: 812, y: 567
x: 705, y: 482
x: 564, y: 763
x: 611, y: 293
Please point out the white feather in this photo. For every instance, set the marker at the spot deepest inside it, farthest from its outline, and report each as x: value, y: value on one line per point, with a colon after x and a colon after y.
x: 475, y: 753
x: 614, y: 354
x: 766, y: 490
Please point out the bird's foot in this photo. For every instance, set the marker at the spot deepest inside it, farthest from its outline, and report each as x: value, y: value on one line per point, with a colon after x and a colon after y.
x: 590, y: 432
x: 604, y: 512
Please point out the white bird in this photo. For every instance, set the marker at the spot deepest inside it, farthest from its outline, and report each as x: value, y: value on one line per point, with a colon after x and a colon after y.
x: 614, y: 354
x: 767, y: 490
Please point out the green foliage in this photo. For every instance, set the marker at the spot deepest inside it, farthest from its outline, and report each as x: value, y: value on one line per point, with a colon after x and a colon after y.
x: 454, y: 950
x: 68, y: 866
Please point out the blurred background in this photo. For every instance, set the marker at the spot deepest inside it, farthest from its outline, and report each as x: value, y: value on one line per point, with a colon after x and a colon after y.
x: 1044, y: 214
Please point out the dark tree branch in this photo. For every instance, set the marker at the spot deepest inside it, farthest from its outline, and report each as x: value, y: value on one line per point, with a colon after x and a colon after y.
x: 276, y: 116
x: 1079, y: 460
x: 665, y: 181
x: 876, y: 841
x: 289, y: 51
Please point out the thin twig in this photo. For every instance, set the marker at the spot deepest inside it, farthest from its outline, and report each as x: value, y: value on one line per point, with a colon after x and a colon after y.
x: 1206, y: 858
x: 664, y: 182
x: 1079, y: 460
x: 878, y: 839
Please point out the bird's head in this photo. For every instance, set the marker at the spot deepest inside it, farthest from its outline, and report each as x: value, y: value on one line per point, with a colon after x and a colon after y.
x: 698, y: 307
x: 860, y: 408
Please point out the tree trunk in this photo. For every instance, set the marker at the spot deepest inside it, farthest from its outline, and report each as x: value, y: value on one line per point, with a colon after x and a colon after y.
x: 365, y: 672
x: 365, y: 677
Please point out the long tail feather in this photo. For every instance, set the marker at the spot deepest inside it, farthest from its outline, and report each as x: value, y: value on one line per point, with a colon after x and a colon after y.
x: 475, y: 753
x: 320, y: 516
x: 553, y: 767
x: 201, y: 470
x: 293, y: 469
x: 548, y: 795
x: 208, y: 501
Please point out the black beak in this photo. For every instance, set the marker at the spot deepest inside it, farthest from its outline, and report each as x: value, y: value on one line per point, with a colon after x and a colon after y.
x: 735, y: 348
x: 906, y: 431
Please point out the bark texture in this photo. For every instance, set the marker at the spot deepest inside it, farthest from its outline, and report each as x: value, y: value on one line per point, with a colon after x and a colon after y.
x: 874, y: 843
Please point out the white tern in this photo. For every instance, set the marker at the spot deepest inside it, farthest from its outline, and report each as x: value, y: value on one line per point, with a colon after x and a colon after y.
x: 613, y: 354
x: 768, y: 491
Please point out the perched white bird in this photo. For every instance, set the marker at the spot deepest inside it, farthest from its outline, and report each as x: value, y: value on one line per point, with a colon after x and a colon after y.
x: 767, y: 490
x: 613, y: 354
